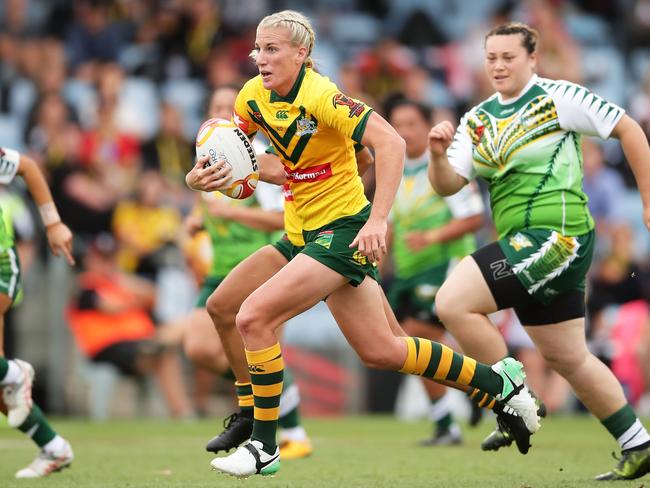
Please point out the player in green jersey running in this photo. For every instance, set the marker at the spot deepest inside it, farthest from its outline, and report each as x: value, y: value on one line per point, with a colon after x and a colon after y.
x: 16, y: 375
x: 430, y: 234
x: 525, y: 142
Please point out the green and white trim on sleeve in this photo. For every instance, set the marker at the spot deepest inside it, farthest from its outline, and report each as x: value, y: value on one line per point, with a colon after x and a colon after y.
x: 9, y: 162
x: 528, y: 150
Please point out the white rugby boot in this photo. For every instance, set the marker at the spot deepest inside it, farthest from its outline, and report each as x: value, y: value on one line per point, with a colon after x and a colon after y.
x: 247, y: 460
x: 48, y: 462
x: 515, y: 393
x: 18, y: 396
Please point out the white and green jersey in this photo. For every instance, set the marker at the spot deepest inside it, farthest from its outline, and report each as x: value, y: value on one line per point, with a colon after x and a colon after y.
x: 417, y: 207
x: 9, y: 162
x: 528, y: 150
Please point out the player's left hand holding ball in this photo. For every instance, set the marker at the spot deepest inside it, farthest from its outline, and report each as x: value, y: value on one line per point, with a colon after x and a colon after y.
x: 205, y: 177
x: 371, y: 239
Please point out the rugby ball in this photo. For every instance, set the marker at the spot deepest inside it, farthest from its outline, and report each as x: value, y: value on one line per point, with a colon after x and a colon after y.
x: 220, y: 139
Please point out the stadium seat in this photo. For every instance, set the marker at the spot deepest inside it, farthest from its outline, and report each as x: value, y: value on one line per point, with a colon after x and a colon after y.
x: 190, y: 97
x: 102, y: 381
x: 141, y: 107
x: 10, y: 132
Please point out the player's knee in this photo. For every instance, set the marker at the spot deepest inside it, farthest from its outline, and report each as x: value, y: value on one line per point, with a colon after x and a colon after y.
x: 197, y: 352
x: 379, y: 358
x: 447, y: 306
x: 221, y: 312
x: 250, y: 321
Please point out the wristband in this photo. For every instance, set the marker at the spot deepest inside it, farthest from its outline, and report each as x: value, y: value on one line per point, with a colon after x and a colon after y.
x: 49, y: 214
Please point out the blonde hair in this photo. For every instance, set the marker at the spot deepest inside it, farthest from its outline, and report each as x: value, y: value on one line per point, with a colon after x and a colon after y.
x: 299, y: 27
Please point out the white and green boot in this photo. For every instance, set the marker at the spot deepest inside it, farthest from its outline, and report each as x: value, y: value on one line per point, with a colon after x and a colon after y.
x: 247, y: 460
x: 515, y: 393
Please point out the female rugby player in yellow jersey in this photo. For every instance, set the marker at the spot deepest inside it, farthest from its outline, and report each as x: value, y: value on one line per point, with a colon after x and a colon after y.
x: 202, y: 343
x: 524, y: 141
x: 344, y: 238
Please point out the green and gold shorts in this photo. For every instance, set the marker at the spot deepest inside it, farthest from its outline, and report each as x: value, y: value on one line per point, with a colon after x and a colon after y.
x: 286, y: 248
x: 209, y: 285
x: 329, y: 245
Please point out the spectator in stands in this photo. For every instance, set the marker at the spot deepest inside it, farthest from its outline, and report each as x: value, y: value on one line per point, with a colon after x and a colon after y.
x: 110, y: 322
x: 559, y: 53
x: 92, y: 38
x: 603, y: 185
x: 170, y: 153
x: 144, y: 226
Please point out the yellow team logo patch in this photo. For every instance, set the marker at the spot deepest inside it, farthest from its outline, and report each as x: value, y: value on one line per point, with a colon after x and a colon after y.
x: 324, y: 238
x: 359, y: 258
x: 520, y: 241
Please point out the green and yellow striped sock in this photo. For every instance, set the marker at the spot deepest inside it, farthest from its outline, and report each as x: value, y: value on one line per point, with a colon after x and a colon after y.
x: 439, y: 362
x: 482, y: 399
x: 266, y: 369
x: 245, y: 398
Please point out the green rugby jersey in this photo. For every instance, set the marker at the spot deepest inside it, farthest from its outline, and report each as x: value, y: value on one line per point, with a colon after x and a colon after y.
x: 9, y: 162
x: 417, y: 207
x: 528, y: 150
x: 233, y: 242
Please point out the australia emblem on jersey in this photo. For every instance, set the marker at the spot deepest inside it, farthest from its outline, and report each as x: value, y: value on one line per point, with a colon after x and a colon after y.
x: 324, y: 238
x: 520, y: 241
x: 305, y: 125
x: 356, y: 108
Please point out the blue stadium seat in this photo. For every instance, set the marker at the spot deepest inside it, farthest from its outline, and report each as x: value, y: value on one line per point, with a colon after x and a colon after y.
x: 10, y: 132
x: 190, y: 97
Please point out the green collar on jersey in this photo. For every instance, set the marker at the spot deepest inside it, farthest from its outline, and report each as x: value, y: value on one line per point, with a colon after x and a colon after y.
x: 291, y: 96
x: 503, y: 111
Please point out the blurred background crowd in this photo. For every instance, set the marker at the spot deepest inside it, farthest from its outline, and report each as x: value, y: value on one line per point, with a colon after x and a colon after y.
x: 107, y: 96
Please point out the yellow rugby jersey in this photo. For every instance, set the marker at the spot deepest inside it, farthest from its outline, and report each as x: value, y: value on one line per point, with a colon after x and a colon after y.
x: 314, y: 130
x: 292, y: 224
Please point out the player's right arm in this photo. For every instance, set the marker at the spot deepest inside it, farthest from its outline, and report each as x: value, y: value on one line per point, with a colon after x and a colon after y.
x: 364, y: 160
x: 59, y: 236
x: 442, y: 175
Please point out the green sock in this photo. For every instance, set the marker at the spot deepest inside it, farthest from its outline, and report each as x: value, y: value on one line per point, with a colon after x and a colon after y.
x: 621, y: 420
x: 290, y: 420
x: 289, y: 395
x: 627, y: 429
x: 228, y: 375
x: 440, y: 413
x: 4, y: 367
x: 37, y: 427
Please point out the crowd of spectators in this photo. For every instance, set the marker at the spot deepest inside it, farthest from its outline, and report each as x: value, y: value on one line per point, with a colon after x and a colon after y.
x: 107, y: 96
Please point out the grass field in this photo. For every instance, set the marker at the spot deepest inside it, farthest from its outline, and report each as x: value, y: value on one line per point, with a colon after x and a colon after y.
x: 369, y: 452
